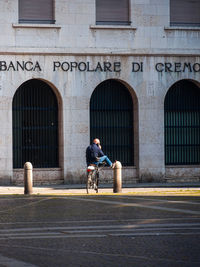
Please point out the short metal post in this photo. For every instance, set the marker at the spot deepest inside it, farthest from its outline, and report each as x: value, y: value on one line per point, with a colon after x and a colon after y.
x: 28, y: 178
x: 117, y: 177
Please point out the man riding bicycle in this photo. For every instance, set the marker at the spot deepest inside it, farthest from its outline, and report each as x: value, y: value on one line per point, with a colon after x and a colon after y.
x: 95, y: 156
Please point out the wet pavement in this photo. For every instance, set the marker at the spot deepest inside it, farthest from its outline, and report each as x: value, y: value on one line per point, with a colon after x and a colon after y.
x: 100, y: 230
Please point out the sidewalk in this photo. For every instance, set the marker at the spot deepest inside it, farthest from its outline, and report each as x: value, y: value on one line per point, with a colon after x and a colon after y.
x: 137, y: 189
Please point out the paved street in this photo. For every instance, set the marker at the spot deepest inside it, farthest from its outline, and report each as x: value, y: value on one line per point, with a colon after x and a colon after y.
x: 99, y: 230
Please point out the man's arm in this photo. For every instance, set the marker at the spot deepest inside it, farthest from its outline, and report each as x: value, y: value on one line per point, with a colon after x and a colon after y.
x: 96, y: 152
x: 101, y: 154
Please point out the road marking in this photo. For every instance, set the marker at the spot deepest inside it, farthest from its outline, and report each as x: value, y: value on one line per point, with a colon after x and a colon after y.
x: 100, y: 221
x: 142, y: 225
x: 96, y: 235
x: 25, y: 205
x: 95, y: 231
x: 21, y: 198
x: 51, y: 237
x: 96, y: 227
x: 10, y: 262
x: 154, y: 234
x: 127, y: 204
x: 160, y: 200
x: 92, y: 231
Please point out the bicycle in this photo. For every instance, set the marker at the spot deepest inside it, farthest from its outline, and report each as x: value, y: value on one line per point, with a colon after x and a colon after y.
x: 92, y: 182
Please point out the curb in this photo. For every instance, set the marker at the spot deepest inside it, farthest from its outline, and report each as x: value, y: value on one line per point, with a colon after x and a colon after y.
x: 65, y: 190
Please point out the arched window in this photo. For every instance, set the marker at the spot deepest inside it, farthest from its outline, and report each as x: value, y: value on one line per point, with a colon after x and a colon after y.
x: 35, y: 125
x: 182, y: 124
x: 111, y: 120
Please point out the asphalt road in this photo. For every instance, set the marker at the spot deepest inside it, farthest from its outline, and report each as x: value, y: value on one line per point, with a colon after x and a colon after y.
x: 100, y: 230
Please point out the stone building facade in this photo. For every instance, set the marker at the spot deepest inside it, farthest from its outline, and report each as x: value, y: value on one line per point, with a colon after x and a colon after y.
x: 69, y: 53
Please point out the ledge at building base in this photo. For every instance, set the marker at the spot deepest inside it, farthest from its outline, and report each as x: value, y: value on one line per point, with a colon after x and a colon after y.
x: 135, y: 189
x: 130, y: 176
x: 40, y: 176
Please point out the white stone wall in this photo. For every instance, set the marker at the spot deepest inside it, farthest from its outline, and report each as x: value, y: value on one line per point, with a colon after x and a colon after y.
x: 75, y: 37
x: 75, y: 30
x: 75, y: 88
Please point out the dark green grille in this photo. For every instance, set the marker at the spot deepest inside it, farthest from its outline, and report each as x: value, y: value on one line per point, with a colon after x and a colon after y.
x: 35, y: 125
x: 111, y: 120
x: 182, y: 124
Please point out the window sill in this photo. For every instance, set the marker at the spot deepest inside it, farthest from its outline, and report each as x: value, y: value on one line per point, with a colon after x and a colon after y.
x: 179, y: 28
x: 40, y: 26
x: 112, y: 27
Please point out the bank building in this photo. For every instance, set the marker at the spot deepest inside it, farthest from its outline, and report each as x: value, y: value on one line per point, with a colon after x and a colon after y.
x: 125, y: 71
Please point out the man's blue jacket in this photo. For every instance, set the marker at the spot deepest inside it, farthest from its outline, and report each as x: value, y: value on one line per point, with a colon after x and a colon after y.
x: 92, y: 152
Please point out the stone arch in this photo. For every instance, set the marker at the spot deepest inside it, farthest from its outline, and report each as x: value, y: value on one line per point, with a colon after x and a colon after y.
x: 182, y: 123
x: 114, y: 119
x: 37, y: 119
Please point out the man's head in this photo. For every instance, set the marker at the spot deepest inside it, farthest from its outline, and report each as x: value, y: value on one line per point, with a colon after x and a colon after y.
x: 96, y: 141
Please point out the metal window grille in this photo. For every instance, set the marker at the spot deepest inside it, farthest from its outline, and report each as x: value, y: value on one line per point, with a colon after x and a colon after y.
x: 182, y: 124
x: 35, y: 125
x: 111, y: 120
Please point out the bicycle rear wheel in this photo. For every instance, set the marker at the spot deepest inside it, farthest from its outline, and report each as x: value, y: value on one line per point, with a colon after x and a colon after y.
x: 96, y: 181
x: 90, y: 183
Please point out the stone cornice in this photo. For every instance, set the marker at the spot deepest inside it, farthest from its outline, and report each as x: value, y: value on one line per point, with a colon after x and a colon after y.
x: 98, y: 52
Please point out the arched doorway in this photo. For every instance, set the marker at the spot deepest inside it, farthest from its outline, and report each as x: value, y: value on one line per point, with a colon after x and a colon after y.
x: 182, y: 124
x: 35, y: 125
x: 111, y: 120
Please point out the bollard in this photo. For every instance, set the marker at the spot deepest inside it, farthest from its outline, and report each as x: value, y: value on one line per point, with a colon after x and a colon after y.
x: 117, y: 177
x: 28, y: 178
